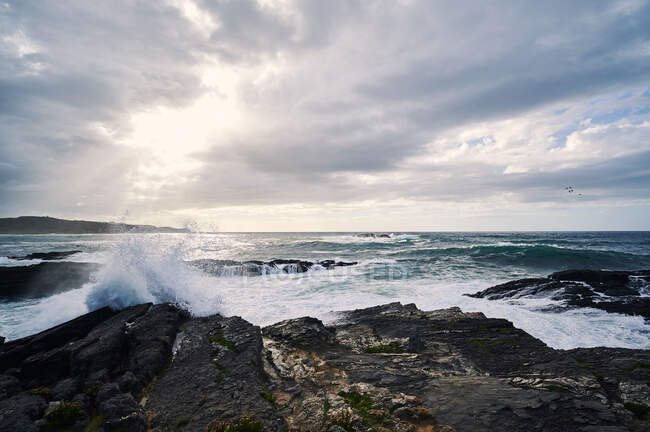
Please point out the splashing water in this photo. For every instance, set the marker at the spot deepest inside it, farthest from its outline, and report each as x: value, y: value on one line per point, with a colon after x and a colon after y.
x: 431, y: 270
x: 143, y: 269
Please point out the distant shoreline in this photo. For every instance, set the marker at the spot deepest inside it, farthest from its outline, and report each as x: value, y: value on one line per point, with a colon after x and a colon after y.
x: 48, y: 225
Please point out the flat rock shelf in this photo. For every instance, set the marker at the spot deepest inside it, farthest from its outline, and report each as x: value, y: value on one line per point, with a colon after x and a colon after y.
x: 386, y: 368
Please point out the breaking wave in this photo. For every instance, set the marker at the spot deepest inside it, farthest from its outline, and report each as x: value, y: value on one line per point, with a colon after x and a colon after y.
x: 537, y: 257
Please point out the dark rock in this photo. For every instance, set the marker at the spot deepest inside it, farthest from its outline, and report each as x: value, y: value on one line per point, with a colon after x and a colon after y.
x: 216, y: 376
x: 43, y: 279
x: 13, y: 353
x: 81, y: 360
x: 81, y: 399
x: 257, y: 268
x: 9, y: 386
x: 46, y: 256
x: 128, y: 382
x: 66, y: 388
x: 373, y: 235
x: 106, y: 392
x: 304, y: 332
x: 611, y: 291
x: 429, y: 371
x: 19, y: 412
x: 123, y: 412
x: 464, y: 370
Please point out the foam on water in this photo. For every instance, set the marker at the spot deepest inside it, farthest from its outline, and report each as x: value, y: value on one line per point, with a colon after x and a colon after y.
x: 152, y: 268
x: 9, y: 262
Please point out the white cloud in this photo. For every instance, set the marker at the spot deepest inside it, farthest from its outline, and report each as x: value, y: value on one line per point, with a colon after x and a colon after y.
x: 360, y: 112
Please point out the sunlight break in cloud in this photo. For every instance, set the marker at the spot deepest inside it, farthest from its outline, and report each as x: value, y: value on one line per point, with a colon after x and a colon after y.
x: 420, y: 114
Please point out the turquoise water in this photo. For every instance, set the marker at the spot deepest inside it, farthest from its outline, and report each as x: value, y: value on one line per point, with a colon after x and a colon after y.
x: 431, y: 269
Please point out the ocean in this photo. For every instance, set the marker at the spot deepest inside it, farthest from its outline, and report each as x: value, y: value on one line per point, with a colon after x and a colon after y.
x: 432, y: 270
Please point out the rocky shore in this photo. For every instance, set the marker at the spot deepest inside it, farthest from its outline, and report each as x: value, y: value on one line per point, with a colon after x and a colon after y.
x: 625, y: 292
x: 43, y: 279
x: 386, y: 368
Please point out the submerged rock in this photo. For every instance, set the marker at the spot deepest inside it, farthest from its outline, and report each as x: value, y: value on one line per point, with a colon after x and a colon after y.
x: 623, y: 292
x: 373, y: 235
x: 257, y: 268
x: 43, y: 279
x: 46, y: 256
x: 387, y: 368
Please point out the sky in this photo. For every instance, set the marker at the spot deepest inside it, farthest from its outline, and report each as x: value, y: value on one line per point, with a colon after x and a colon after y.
x: 275, y: 115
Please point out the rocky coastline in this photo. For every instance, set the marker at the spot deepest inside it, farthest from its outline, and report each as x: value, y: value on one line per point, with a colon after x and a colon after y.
x: 385, y: 368
x: 625, y: 292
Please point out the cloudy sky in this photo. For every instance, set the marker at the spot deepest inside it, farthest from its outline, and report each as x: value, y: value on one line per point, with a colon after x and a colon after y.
x: 328, y: 115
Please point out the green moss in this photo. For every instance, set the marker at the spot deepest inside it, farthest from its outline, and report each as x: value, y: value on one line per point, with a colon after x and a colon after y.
x: 268, y: 397
x: 253, y: 362
x: 638, y: 365
x: 326, y: 409
x: 583, y: 363
x: 218, y: 379
x: 385, y: 349
x: 220, y: 339
x: 62, y: 416
x: 182, y: 422
x: 94, y: 424
x: 246, y: 424
x: 221, y: 368
x: 376, y: 334
x: 43, y: 392
x: 360, y: 402
x: 639, y: 411
x: 556, y: 389
x: 91, y: 390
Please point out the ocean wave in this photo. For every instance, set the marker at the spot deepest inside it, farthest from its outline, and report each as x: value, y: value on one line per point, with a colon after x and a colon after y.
x: 357, y: 239
x: 537, y: 257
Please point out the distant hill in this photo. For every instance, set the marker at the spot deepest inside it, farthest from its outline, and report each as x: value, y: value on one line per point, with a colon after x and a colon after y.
x: 48, y: 225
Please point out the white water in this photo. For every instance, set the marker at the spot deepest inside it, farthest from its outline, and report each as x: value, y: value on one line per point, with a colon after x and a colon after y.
x: 141, y: 269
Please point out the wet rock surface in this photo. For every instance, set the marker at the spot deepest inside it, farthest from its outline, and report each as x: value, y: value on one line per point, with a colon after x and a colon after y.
x: 67, y: 376
x: 386, y: 368
x: 256, y: 267
x: 46, y: 256
x: 626, y: 292
x: 373, y: 235
x: 43, y: 279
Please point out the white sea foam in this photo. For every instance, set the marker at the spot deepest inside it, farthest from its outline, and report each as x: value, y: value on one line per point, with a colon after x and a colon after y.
x: 152, y: 268
x: 9, y: 262
x: 145, y: 269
